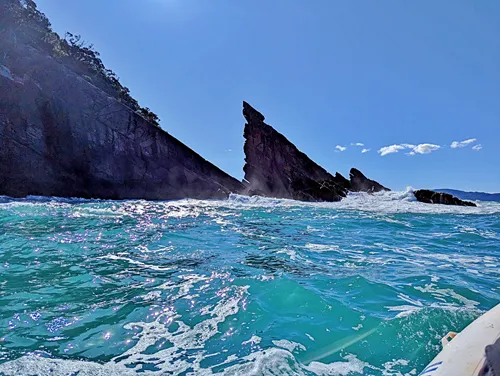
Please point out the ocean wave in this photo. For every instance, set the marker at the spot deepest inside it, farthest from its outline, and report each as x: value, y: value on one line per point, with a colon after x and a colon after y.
x: 381, y: 202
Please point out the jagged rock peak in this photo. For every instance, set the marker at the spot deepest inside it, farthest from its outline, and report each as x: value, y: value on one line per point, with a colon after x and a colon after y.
x: 342, y: 181
x: 251, y: 114
x: 276, y: 168
x: 360, y: 183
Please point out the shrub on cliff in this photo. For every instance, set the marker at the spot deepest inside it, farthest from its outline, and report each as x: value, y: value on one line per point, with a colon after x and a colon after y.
x: 22, y: 22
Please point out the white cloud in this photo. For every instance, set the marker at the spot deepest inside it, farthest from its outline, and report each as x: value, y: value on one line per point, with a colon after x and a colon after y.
x: 340, y: 148
x: 462, y: 144
x: 409, y: 146
x: 414, y: 149
x: 228, y: 150
x: 477, y: 147
x: 426, y: 148
x: 365, y: 151
x: 390, y: 149
x: 358, y: 144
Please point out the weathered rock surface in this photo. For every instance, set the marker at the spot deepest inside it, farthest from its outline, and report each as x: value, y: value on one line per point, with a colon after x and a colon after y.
x: 360, y: 183
x: 431, y: 197
x: 276, y: 168
x: 62, y: 136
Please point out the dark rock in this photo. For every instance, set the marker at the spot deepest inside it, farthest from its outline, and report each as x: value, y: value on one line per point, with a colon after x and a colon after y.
x: 252, y: 115
x: 62, y: 136
x: 360, y: 183
x: 276, y: 168
x: 339, y: 179
x: 431, y: 197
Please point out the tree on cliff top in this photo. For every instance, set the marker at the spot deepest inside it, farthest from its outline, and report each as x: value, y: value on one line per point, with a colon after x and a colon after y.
x: 22, y: 22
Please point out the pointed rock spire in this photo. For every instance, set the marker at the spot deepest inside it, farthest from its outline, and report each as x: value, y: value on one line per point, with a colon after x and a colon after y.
x: 276, y: 168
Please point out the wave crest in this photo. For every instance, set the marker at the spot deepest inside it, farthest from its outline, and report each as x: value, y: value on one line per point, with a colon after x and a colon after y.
x: 385, y: 202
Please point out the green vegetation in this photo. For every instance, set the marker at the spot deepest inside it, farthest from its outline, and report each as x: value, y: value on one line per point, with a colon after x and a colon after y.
x: 22, y: 22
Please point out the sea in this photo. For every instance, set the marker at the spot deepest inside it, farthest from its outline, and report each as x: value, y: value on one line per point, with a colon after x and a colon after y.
x: 242, y: 286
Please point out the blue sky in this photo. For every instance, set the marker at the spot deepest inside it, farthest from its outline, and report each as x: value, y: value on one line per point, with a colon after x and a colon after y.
x: 412, y: 76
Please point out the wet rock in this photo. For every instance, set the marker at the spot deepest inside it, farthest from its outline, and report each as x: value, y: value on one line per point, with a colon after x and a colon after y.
x: 431, y: 197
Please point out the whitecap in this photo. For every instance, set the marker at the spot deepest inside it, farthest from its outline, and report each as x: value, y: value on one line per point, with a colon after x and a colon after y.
x: 289, y: 345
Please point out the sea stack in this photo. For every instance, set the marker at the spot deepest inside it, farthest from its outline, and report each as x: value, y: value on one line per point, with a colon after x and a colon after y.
x: 276, y: 168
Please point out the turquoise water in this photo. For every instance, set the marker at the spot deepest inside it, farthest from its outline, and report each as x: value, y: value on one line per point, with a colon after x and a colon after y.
x: 367, y: 286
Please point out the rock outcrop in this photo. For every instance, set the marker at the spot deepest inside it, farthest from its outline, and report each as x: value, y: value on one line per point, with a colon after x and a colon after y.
x: 431, y: 197
x: 360, y: 183
x: 276, y: 168
x: 60, y: 135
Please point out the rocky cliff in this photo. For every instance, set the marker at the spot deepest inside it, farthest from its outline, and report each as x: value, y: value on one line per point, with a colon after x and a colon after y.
x: 61, y: 135
x: 69, y: 128
x: 276, y: 168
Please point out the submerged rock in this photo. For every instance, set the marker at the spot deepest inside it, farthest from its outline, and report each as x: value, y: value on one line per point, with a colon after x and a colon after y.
x: 360, y: 183
x: 276, y: 168
x: 431, y: 197
x: 63, y: 136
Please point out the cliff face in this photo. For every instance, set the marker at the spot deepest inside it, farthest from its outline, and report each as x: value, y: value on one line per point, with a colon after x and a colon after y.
x: 276, y: 168
x: 62, y: 136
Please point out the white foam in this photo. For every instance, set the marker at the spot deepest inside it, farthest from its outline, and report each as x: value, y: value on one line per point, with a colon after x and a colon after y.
x: 271, y: 361
x: 255, y: 340
x: 135, y: 262
x: 440, y: 294
x: 388, y: 367
x: 290, y: 252
x: 404, y: 310
x: 289, y: 345
x: 170, y: 360
x: 152, y: 295
x: 321, y: 247
x: 407, y: 310
x: 352, y: 365
x: 41, y: 366
x: 483, y: 233
x: 381, y: 202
